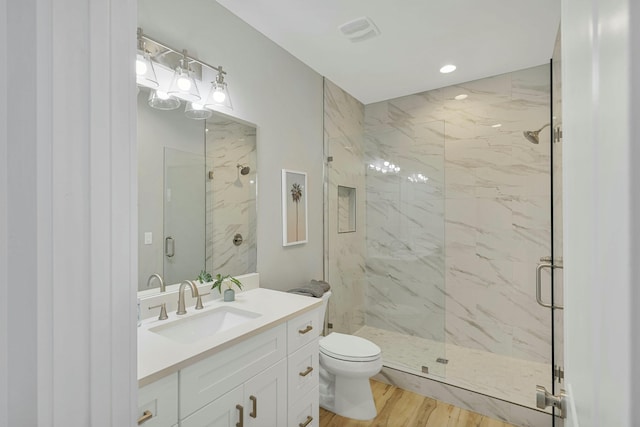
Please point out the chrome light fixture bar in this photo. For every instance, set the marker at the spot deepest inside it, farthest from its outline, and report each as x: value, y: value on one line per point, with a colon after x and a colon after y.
x: 187, y: 70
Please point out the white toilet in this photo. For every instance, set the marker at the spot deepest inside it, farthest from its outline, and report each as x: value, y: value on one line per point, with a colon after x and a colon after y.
x: 346, y: 364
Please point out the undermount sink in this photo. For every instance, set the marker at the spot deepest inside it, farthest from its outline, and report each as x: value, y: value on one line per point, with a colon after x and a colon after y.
x: 202, y: 325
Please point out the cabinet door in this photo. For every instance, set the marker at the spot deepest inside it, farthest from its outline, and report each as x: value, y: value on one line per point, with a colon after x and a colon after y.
x: 265, y: 398
x: 158, y: 403
x: 222, y: 412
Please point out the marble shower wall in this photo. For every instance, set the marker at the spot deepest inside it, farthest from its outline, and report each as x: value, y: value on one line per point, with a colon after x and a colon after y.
x: 454, y: 236
x: 344, y: 252
x: 230, y: 197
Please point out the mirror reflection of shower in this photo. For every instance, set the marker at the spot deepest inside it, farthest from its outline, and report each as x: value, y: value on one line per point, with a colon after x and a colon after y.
x: 533, y: 135
x: 242, y: 170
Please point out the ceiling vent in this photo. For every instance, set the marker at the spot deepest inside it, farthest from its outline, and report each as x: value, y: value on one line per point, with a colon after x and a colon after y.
x: 359, y: 29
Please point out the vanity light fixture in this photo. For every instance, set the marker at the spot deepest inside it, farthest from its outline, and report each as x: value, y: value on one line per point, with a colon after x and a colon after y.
x: 161, y: 100
x: 219, y: 94
x: 183, y: 85
x: 189, y: 75
x: 145, y: 73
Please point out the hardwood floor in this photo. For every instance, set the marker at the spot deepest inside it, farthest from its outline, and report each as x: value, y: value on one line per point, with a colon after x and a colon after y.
x: 401, y: 408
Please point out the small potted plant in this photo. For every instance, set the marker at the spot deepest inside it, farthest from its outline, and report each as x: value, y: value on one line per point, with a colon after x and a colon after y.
x: 204, y: 277
x: 229, y: 293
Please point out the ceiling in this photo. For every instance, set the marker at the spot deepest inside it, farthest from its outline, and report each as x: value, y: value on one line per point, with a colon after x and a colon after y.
x: 481, y: 37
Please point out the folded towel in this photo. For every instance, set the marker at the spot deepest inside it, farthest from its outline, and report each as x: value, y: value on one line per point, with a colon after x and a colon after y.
x: 315, y: 288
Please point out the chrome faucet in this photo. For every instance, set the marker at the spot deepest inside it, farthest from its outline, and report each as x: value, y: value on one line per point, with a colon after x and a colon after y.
x: 157, y: 276
x: 194, y: 294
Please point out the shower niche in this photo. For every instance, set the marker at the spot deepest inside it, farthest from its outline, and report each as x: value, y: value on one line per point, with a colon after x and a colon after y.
x: 346, y: 209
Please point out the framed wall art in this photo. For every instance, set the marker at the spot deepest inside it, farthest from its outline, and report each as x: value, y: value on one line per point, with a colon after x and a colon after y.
x: 294, y: 208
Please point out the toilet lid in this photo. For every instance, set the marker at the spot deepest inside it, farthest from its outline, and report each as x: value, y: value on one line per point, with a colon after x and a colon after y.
x: 349, y: 347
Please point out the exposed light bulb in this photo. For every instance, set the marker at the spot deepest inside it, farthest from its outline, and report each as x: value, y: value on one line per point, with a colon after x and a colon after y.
x: 392, y: 166
x: 219, y: 96
x: 397, y: 169
x: 141, y: 67
x: 184, y: 84
x: 378, y: 168
x: 371, y: 166
x: 386, y: 163
x: 162, y: 95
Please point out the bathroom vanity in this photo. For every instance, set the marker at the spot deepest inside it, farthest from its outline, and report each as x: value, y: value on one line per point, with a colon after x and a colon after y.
x: 251, y: 362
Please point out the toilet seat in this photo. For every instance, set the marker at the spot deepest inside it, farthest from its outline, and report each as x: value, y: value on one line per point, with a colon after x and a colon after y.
x: 349, y: 348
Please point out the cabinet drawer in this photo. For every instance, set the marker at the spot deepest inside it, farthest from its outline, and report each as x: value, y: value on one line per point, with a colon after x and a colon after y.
x: 303, y: 371
x: 303, y: 329
x: 208, y: 379
x: 161, y: 400
x: 305, y: 410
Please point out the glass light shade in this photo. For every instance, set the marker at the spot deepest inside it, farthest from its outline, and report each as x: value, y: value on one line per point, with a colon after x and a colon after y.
x: 183, y: 85
x: 145, y: 73
x: 196, y: 111
x: 219, y: 96
x: 161, y: 100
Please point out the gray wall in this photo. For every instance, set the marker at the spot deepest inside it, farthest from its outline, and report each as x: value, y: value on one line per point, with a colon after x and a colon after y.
x: 278, y: 93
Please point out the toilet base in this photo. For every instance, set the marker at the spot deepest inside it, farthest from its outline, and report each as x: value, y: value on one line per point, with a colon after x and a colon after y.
x: 347, y: 397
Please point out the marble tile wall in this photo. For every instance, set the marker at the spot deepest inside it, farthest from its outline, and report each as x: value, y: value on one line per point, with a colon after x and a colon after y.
x: 230, y: 197
x: 452, y: 257
x: 344, y: 252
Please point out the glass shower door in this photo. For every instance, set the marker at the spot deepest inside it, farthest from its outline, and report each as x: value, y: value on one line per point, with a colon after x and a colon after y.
x: 557, y: 224
x: 184, y: 215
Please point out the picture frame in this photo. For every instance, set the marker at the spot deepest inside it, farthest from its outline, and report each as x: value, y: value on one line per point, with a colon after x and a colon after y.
x: 295, y: 227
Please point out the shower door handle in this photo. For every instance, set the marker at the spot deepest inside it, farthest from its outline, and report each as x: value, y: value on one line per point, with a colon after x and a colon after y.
x: 545, y: 399
x: 169, y: 247
x: 546, y: 263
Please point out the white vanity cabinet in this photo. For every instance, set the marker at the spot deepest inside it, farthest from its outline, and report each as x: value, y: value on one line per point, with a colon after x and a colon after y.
x: 269, y: 379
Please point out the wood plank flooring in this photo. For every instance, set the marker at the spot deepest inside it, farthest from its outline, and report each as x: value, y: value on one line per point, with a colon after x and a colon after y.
x: 401, y: 408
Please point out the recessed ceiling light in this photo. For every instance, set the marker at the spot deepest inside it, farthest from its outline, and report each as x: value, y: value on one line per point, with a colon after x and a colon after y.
x: 460, y: 97
x: 448, y: 69
x: 497, y: 125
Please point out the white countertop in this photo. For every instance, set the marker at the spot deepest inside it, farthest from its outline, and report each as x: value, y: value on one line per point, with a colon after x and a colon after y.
x: 159, y: 356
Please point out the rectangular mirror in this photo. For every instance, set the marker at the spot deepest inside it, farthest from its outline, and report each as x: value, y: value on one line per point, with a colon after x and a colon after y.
x: 196, y: 195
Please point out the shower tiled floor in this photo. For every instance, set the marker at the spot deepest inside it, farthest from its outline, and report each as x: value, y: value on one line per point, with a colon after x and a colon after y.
x: 499, y: 376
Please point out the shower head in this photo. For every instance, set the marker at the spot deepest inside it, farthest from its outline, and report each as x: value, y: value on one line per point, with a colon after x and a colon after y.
x: 244, y: 170
x: 533, y: 135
